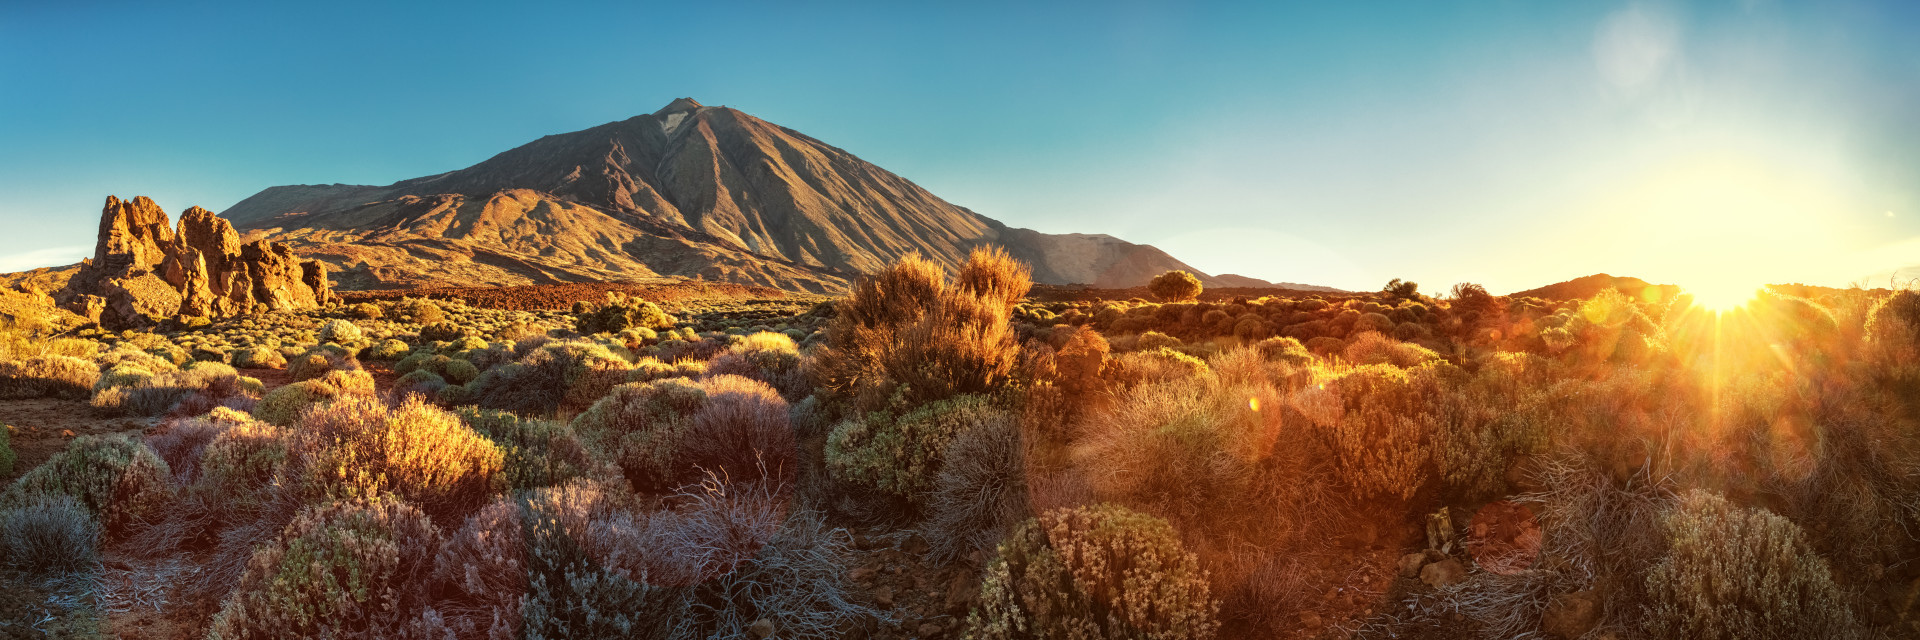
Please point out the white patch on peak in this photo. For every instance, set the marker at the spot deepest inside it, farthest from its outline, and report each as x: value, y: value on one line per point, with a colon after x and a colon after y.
x: 672, y: 122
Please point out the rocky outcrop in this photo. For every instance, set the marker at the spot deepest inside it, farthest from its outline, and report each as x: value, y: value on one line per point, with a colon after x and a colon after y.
x: 143, y: 269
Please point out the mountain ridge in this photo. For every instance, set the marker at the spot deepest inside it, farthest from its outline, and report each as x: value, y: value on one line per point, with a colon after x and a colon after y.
x: 687, y: 191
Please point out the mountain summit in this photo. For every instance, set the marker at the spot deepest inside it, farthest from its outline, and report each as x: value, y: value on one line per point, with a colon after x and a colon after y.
x: 689, y: 191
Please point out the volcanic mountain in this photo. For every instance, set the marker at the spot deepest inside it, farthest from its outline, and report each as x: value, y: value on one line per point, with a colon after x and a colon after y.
x: 687, y: 191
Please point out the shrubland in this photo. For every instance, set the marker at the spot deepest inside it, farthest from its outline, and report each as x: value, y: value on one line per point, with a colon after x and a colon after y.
x: 1200, y: 465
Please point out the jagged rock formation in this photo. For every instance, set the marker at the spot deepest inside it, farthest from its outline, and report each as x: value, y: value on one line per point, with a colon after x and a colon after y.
x: 687, y: 191
x: 144, y: 269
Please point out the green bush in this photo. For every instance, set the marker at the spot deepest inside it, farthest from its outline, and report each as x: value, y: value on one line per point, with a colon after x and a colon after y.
x: 259, y: 358
x: 284, y: 405
x: 340, y: 331
x: 118, y: 477
x: 388, y: 350
x: 536, y: 453
x: 901, y: 455
x: 1100, y: 572
x: 1284, y: 349
x: 345, y: 569
x: 441, y: 332
x: 664, y: 433
x: 769, y: 357
x: 365, y: 311
x: 359, y: 447
x: 1734, y: 572
x: 418, y: 311
x: 555, y: 374
x: 1174, y: 286
x: 47, y: 376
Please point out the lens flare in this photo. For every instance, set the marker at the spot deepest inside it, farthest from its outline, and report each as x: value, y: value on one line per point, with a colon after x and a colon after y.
x: 1722, y: 297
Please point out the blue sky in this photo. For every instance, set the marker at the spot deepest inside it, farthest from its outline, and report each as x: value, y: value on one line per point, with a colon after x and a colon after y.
x: 1509, y: 143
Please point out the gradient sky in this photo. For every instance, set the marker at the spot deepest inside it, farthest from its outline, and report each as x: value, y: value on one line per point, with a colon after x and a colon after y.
x: 1509, y: 143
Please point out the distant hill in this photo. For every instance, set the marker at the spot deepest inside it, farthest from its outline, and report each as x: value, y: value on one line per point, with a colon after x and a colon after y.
x: 1586, y: 287
x: 1239, y: 281
x: 689, y: 191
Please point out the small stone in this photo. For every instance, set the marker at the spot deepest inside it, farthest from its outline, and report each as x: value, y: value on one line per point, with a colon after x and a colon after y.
x: 1310, y: 620
x: 960, y: 593
x: 928, y: 630
x: 761, y: 628
x: 1571, y: 615
x: 862, y: 575
x: 1410, y: 564
x: 1443, y: 573
x: 883, y: 596
x: 916, y: 545
x: 66, y: 433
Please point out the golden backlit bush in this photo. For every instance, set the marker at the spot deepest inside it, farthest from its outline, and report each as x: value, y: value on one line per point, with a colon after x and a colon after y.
x: 1187, y: 450
x: 47, y: 376
x: 1373, y: 419
x: 1100, y: 572
x: 907, y: 329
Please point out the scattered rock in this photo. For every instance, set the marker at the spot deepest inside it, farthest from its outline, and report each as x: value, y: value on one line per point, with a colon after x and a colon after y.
x: 761, y: 628
x: 883, y: 597
x: 1505, y: 538
x: 915, y: 545
x: 1443, y: 573
x: 862, y: 575
x: 961, y: 593
x: 1571, y: 615
x: 66, y: 433
x: 1410, y: 564
x: 928, y: 629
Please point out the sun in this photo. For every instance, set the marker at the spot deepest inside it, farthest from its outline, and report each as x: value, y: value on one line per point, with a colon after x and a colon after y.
x: 1722, y: 296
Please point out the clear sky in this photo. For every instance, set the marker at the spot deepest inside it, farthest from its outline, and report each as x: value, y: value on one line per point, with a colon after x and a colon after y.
x: 1510, y: 143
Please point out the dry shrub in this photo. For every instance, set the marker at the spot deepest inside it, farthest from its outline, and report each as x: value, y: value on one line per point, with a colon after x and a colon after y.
x: 980, y: 492
x: 118, y: 477
x: 350, y: 569
x: 1372, y: 418
x: 899, y: 456
x: 482, y: 572
x: 49, y: 535
x: 359, y: 447
x: 1285, y: 350
x: 664, y: 433
x: 1373, y: 348
x: 796, y: 581
x: 1096, y: 572
x: 128, y: 390
x: 48, y: 376
x: 1735, y: 572
x: 907, y: 329
x: 318, y: 361
x: 1186, y: 450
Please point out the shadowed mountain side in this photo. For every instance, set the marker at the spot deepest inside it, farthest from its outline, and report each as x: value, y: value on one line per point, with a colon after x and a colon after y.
x: 763, y: 204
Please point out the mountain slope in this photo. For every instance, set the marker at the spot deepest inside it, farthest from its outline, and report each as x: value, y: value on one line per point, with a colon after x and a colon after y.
x: 687, y: 191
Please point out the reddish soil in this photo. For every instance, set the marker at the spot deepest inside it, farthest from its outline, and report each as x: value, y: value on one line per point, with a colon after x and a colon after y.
x: 562, y: 296
x: 1504, y: 538
x: 41, y: 428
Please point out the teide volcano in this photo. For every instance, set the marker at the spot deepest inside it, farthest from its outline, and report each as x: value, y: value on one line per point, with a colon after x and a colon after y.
x: 689, y: 191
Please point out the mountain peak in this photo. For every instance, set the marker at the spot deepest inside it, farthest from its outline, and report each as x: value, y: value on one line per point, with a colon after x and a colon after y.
x: 679, y: 104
